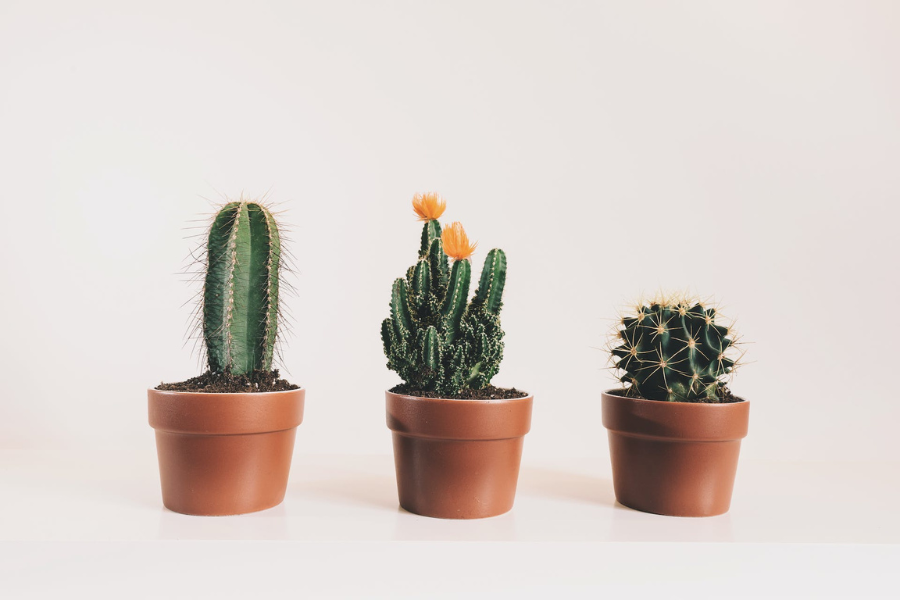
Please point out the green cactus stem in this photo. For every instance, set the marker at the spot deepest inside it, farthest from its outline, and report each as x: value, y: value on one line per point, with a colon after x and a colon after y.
x: 240, y: 294
x: 456, y: 298
x: 493, y: 279
x: 430, y: 232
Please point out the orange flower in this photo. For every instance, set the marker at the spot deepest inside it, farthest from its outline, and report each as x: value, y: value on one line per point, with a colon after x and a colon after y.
x: 456, y: 242
x: 429, y: 206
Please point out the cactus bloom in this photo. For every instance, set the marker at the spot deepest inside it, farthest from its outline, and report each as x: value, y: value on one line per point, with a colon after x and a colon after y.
x: 429, y: 207
x: 456, y: 242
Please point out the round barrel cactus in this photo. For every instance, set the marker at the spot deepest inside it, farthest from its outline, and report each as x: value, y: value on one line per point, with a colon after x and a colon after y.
x: 674, y: 350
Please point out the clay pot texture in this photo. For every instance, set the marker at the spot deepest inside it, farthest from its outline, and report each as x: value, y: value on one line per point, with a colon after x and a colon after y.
x: 457, y: 459
x: 224, y: 454
x: 674, y: 458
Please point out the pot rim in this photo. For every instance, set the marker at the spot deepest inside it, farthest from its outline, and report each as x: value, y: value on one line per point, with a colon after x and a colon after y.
x: 176, y: 392
x: 472, y: 400
x: 210, y: 413
x: 458, y: 419
x: 611, y: 394
x: 675, y: 421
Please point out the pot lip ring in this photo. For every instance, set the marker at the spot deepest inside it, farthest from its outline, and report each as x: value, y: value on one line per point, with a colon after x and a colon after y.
x: 612, y: 394
x: 212, y: 394
x: 458, y: 419
x: 407, y: 397
x: 214, y: 414
x: 675, y: 421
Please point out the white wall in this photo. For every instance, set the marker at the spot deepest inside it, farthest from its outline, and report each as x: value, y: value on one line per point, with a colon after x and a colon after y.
x: 746, y: 150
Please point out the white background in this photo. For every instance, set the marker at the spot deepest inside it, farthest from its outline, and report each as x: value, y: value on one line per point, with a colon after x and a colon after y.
x: 747, y: 151
x: 744, y: 151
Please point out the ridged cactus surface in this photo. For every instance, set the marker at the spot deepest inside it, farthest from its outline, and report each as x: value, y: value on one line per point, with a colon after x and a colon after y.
x: 240, y: 295
x: 436, y: 339
x: 674, y: 351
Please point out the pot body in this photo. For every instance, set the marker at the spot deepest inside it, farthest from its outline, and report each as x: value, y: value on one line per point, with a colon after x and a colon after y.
x: 457, y: 459
x: 224, y: 454
x: 674, y: 458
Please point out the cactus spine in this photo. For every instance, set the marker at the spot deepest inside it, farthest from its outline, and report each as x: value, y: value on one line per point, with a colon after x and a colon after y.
x: 240, y: 294
x: 674, y: 350
x: 436, y: 339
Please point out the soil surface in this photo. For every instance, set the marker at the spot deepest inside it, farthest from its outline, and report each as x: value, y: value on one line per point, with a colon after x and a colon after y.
x: 226, y: 383
x: 724, y: 397
x: 488, y: 393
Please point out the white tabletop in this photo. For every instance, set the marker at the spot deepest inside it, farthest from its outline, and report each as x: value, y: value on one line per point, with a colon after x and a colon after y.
x: 808, y: 526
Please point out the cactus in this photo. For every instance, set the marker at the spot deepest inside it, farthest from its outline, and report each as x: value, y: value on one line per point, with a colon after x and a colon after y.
x: 240, y: 293
x: 674, y: 350
x: 436, y: 339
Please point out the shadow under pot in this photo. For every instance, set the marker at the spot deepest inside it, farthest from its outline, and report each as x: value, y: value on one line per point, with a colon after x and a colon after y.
x: 674, y: 458
x: 224, y: 454
x: 457, y: 459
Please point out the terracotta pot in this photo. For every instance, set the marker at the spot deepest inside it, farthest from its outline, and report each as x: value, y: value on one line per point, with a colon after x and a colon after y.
x: 674, y: 458
x: 224, y: 454
x: 457, y: 459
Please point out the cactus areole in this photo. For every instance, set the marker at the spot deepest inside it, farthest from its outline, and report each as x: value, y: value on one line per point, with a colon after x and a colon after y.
x: 673, y: 350
x: 437, y: 339
x: 240, y: 293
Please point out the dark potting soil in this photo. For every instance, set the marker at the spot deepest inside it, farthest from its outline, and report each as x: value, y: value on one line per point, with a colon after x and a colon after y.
x: 226, y: 383
x: 488, y: 393
x: 723, y: 396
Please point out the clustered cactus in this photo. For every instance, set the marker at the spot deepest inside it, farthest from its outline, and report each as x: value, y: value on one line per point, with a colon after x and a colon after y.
x: 434, y: 339
x: 240, y: 293
x: 674, y: 350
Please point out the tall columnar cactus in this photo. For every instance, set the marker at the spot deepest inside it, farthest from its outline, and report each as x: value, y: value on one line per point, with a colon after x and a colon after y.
x: 240, y: 294
x: 436, y: 339
x: 674, y: 350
